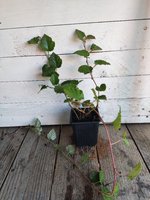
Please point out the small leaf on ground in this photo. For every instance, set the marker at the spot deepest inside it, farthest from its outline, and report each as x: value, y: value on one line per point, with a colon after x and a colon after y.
x: 84, y: 158
x: 94, y: 176
x: 70, y: 149
x: 135, y: 171
x: 52, y: 135
x: 117, y: 121
x: 124, y: 137
x: 116, y: 190
x: 101, y: 176
x: 37, y: 127
x: 106, y: 194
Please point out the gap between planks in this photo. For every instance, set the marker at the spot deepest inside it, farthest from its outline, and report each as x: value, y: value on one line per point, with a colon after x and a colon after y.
x: 141, y: 138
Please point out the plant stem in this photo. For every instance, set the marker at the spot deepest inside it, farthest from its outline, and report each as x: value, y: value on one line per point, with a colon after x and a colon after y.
x: 91, y: 74
x: 116, y: 142
x: 115, y: 172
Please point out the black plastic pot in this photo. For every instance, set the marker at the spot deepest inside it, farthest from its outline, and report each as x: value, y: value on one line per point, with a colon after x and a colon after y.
x: 85, y: 130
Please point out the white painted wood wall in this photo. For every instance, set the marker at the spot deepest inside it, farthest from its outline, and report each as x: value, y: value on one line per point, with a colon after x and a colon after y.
x: 122, y: 29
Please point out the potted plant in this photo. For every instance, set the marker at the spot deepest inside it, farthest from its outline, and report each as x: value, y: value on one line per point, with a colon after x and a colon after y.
x: 84, y: 114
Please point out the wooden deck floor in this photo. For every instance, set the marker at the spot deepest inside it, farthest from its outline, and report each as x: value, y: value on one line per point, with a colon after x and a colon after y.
x: 30, y: 169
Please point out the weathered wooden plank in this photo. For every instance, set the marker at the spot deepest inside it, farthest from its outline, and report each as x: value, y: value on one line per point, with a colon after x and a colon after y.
x: 53, y: 112
x: 126, y: 158
x: 68, y: 183
x: 141, y: 136
x: 117, y: 87
x: 118, y: 36
x: 124, y: 63
x: 31, y: 174
x: 33, y: 13
x: 10, y: 143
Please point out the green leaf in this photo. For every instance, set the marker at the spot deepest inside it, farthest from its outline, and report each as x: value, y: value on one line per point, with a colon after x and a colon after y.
x: 80, y: 34
x: 101, y: 176
x: 84, y: 158
x: 101, y: 62
x: 67, y: 100
x: 102, y: 87
x: 117, y: 121
x: 46, y: 43
x: 106, y: 194
x: 94, y: 47
x: 83, y: 53
x: 70, y: 149
x: 54, y: 61
x: 58, y: 89
x: 37, y: 127
x: 87, y: 103
x: 116, y: 190
x: 43, y: 87
x: 85, y: 69
x: 34, y: 40
x: 124, y: 137
x: 95, y: 95
x: 47, y: 71
x: 72, y: 91
x: 102, y: 97
x: 94, y: 176
x: 90, y: 37
x: 135, y: 171
x: 52, y: 135
x: 74, y: 82
x: 54, y: 78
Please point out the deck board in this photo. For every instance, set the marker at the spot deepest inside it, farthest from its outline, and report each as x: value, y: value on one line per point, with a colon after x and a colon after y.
x: 141, y: 135
x: 10, y: 141
x: 126, y: 159
x: 68, y: 182
x: 31, y: 169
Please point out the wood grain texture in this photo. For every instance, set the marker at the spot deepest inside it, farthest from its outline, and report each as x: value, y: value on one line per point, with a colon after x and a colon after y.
x: 33, y: 13
x: 141, y: 136
x: 127, y: 35
x: 10, y: 142
x: 133, y: 110
x: 68, y: 182
x: 124, y: 63
x: 31, y: 174
x: 117, y: 87
x: 123, y: 36
x: 126, y: 158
